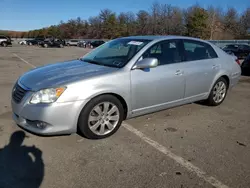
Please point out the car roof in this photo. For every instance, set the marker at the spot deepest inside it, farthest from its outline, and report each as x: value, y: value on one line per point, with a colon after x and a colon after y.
x: 160, y: 37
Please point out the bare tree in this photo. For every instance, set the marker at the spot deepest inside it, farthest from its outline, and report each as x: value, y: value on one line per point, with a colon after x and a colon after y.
x: 155, y: 19
x: 95, y: 26
x: 214, y: 20
x: 143, y: 19
x: 244, y: 23
x: 231, y: 22
x: 126, y: 22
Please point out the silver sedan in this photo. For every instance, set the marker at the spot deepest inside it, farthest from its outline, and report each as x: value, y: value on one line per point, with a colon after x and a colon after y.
x: 123, y: 78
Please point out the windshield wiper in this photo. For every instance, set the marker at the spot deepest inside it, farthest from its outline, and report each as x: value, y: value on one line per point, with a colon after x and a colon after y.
x: 97, y: 62
x: 91, y: 61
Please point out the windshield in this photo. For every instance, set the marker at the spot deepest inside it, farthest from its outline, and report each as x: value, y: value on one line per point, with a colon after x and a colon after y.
x: 115, y: 53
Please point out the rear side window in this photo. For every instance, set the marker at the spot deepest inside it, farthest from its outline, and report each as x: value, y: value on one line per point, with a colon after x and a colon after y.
x: 2, y: 37
x: 196, y: 50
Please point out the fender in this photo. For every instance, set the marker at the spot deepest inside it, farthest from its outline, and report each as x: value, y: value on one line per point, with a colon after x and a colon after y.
x: 220, y: 74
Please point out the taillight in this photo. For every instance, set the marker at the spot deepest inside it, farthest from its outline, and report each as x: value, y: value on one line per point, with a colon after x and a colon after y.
x: 237, y: 61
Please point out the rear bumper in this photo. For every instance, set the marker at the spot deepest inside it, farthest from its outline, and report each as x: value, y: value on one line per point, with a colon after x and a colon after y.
x: 235, y: 79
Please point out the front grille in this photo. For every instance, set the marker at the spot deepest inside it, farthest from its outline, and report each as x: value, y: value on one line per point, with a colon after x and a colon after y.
x: 18, y: 93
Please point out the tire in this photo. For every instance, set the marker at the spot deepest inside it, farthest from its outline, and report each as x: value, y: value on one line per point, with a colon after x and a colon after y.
x: 45, y: 45
x: 4, y: 44
x: 211, y: 101
x: 61, y: 46
x: 30, y: 44
x: 97, y: 128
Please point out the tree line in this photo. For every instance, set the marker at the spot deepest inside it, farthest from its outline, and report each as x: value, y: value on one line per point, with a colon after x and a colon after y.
x: 161, y: 19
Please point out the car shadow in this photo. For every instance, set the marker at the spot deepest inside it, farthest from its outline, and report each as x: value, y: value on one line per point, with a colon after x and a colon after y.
x: 20, y: 166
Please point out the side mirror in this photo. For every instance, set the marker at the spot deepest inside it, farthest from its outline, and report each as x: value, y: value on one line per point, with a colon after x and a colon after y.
x: 146, y: 63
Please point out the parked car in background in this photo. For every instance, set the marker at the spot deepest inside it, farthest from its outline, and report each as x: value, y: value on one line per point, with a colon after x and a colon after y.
x: 124, y: 78
x: 88, y: 44
x: 22, y: 42
x: 5, y: 41
x: 72, y: 42
x: 245, y: 66
x: 53, y: 42
x: 241, y: 51
x: 96, y: 43
x: 35, y: 41
x: 82, y: 43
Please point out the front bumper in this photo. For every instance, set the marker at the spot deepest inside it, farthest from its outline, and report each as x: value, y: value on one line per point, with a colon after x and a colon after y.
x: 61, y: 117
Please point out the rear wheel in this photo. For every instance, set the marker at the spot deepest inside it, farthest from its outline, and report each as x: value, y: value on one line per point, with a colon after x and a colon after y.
x: 101, y: 117
x: 218, y: 92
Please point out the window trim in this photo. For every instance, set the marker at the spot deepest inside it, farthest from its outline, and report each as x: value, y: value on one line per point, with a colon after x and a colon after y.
x: 197, y: 42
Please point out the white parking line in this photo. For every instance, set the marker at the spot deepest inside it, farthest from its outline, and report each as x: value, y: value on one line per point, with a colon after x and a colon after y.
x: 181, y: 161
x: 24, y: 60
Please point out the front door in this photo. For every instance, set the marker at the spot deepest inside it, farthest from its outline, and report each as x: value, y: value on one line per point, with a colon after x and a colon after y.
x: 157, y: 88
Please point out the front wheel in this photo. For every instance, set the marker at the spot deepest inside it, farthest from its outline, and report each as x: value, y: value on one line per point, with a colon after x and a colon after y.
x: 218, y: 92
x: 4, y: 44
x: 101, y: 117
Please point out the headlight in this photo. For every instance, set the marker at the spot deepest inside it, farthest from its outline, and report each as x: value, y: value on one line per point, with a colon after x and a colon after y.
x: 47, y: 95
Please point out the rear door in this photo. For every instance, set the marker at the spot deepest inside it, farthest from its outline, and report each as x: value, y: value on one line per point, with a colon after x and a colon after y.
x: 201, y: 67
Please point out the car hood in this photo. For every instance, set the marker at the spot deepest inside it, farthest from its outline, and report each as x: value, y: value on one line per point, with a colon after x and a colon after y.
x: 60, y: 74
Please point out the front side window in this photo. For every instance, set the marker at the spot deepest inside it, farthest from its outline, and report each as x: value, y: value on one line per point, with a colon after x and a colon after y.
x: 115, y: 53
x: 196, y: 50
x: 167, y: 52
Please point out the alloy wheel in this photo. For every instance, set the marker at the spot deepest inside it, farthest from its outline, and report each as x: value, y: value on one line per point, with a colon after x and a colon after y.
x: 219, y: 92
x: 103, y: 118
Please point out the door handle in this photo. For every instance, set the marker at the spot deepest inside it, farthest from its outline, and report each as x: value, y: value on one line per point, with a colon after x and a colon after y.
x: 178, y: 72
x: 215, y: 66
